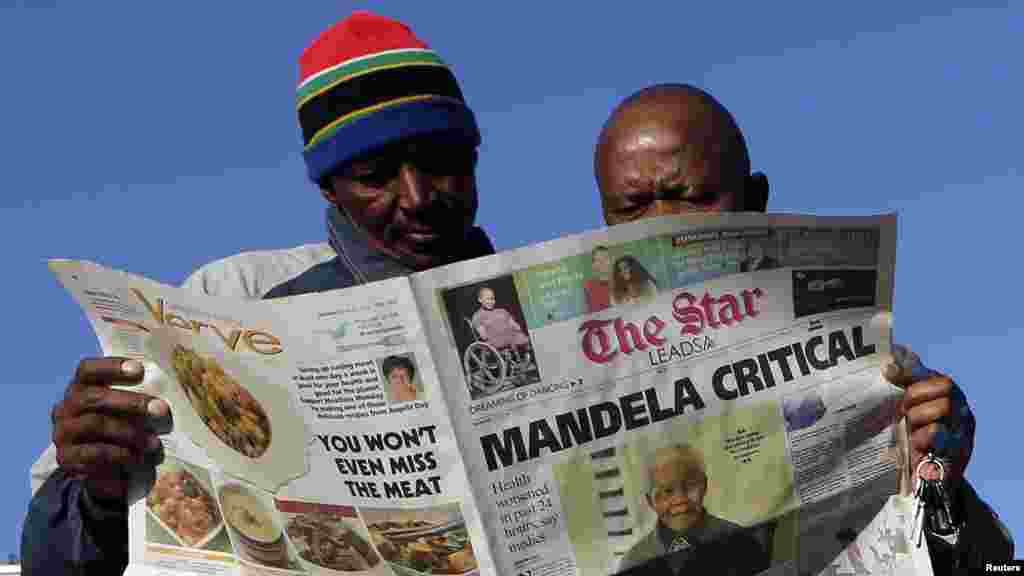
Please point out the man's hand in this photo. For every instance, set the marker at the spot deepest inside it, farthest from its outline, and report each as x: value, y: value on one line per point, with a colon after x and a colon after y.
x: 106, y: 436
x: 937, y: 415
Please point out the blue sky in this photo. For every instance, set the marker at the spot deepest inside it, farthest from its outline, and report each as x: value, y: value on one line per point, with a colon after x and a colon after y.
x: 155, y: 137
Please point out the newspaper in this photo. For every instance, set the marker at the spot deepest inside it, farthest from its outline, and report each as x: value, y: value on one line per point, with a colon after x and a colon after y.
x: 698, y: 393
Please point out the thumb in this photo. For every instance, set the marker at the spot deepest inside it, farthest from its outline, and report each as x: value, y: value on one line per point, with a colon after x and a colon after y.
x: 904, y: 367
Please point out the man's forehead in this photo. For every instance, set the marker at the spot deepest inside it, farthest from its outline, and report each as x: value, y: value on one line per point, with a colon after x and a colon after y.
x: 648, y: 137
x: 675, y: 465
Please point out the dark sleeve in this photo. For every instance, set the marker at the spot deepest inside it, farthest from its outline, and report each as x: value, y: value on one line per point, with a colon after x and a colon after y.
x: 983, y: 537
x: 57, y: 538
x: 750, y: 554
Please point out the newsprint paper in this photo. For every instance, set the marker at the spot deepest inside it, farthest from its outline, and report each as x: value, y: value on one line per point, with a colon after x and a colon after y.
x: 698, y: 395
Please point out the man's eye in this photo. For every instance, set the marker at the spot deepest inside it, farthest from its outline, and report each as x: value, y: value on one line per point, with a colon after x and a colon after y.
x: 375, y: 179
x: 439, y: 162
x: 635, y: 203
x: 374, y: 175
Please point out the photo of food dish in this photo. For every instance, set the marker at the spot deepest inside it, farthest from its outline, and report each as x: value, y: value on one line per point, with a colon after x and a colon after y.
x: 253, y: 523
x: 426, y: 541
x: 227, y: 409
x: 330, y: 541
x: 183, y: 506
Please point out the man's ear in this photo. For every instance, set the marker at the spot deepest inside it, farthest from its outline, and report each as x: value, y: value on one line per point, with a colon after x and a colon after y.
x: 755, y: 193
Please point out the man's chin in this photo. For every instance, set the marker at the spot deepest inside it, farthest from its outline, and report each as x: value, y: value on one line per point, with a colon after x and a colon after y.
x: 682, y: 523
x: 428, y: 253
x: 419, y: 261
x: 424, y: 257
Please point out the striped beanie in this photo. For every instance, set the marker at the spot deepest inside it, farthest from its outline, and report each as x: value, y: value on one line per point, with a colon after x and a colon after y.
x: 368, y: 81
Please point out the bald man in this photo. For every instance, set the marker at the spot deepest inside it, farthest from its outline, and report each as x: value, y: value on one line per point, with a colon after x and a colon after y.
x: 674, y: 149
x: 687, y: 539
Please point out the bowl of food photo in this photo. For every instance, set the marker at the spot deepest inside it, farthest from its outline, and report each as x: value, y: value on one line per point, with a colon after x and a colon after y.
x: 254, y: 525
x: 181, y: 502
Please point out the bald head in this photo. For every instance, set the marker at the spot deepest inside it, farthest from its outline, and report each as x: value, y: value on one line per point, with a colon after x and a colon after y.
x: 671, y: 149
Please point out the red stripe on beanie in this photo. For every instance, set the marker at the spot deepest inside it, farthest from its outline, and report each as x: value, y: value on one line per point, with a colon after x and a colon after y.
x: 361, y: 34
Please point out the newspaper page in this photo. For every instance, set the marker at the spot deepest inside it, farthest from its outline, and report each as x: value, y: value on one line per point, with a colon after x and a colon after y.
x: 310, y: 433
x: 698, y: 395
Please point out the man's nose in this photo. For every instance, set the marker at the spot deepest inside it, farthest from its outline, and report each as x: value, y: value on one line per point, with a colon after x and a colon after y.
x: 416, y: 189
x: 678, y: 499
x: 667, y: 207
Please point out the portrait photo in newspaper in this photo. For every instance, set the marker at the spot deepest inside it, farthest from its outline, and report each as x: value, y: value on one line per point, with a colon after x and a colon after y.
x: 666, y: 497
x: 632, y: 283
x: 400, y: 378
x: 493, y: 341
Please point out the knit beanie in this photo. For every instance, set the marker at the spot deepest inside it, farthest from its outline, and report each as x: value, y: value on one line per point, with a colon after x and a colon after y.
x: 368, y: 81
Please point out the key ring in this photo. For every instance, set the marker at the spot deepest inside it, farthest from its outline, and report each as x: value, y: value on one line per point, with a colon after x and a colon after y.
x: 930, y: 459
x: 931, y: 499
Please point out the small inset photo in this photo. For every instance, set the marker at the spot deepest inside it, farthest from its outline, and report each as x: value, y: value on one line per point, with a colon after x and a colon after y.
x: 181, y: 510
x: 631, y: 282
x: 417, y: 542
x: 255, y: 526
x: 818, y: 291
x: 401, y: 378
x: 487, y: 322
x: 330, y: 539
x: 803, y: 410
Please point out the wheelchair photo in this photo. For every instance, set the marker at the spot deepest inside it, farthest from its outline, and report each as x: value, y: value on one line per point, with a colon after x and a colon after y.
x: 489, y: 369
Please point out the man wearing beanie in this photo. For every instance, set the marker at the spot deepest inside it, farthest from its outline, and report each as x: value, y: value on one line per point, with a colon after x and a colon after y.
x: 390, y: 142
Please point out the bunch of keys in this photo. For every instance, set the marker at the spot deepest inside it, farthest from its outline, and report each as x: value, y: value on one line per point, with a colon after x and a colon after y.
x: 934, y: 510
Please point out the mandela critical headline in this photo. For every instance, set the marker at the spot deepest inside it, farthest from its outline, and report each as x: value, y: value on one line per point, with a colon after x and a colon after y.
x: 638, y: 409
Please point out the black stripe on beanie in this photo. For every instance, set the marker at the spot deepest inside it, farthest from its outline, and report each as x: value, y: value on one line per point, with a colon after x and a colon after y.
x: 374, y: 88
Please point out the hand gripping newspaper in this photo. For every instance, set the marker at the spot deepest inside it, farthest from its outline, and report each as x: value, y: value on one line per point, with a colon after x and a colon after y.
x: 684, y: 394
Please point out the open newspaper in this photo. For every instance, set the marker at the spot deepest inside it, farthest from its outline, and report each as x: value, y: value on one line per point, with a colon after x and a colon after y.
x: 697, y: 394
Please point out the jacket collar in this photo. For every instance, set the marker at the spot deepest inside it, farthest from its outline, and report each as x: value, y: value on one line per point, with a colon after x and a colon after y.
x: 367, y: 264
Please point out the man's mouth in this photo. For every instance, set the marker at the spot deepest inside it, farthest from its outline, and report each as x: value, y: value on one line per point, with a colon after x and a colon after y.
x: 712, y: 205
x: 422, y: 237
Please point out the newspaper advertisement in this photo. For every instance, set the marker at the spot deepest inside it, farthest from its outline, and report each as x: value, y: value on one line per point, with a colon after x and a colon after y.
x: 683, y: 393
x: 310, y: 434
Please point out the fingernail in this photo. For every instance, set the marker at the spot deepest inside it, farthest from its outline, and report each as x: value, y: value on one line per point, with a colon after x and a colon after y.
x: 131, y: 367
x: 157, y: 408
